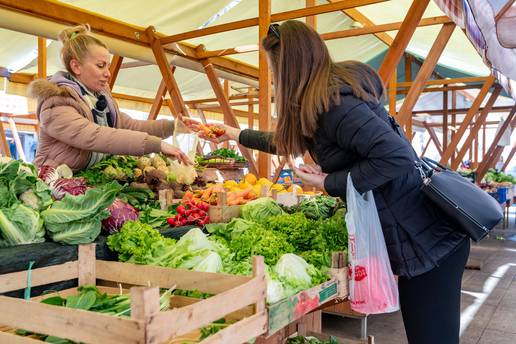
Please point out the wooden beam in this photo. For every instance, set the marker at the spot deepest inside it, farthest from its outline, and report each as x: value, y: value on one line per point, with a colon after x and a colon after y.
x: 434, y: 138
x: 461, y: 111
x: 392, y: 94
x: 114, y: 68
x: 453, y: 120
x: 229, y: 116
x: 467, y: 119
x: 396, y: 50
x: 265, y: 89
x: 42, y: 57
x: 166, y: 72
x: 250, y: 117
x: 424, y: 73
x: 135, y: 64
x: 4, y: 146
x: 509, y: 158
x: 445, y: 118
x: 408, y: 67
x: 464, y: 80
x: 486, y: 160
x: 357, y: 16
x: 441, y: 89
x: 474, y: 130
x: 311, y: 20
x: 426, y: 146
x: 158, y: 100
x: 277, y: 17
x: 367, y: 30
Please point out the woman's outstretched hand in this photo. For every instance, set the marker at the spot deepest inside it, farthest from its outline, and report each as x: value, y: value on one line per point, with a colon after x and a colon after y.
x: 216, y: 133
x: 174, y: 152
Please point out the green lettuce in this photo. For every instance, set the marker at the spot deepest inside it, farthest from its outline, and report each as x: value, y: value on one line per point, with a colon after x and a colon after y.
x: 77, y: 219
x: 20, y: 224
x: 260, y: 209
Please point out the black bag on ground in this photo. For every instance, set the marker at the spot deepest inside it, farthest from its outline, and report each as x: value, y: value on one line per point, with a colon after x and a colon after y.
x: 471, y: 207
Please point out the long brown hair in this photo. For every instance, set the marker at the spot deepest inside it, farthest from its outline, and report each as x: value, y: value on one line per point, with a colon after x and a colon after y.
x: 307, y: 83
x: 76, y: 44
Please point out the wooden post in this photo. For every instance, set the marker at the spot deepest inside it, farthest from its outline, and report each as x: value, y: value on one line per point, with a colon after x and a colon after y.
x: 87, y: 264
x: 484, y: 141
x: 396, y: 50
x: 42, y: 57
x: 166, y: 72
x: 229, y: 115
x: 478, y: 124
x: 16, y: 137
x: 453, y: 119
x: 486, y: 163
x: 311, y: 20
x: 114, y: 68
x: 4, y: 146
x: 144, y: 303
x: 259, y: 272
x: 408, y: 67
x: 158, y: 101
x: 392, y: 94
x: 265, y: 91
x: 424, y: 74
x: 467, y: 120
x: 250, y: 118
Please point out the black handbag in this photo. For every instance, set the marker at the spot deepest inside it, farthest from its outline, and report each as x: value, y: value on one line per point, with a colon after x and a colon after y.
x: 473, y: 209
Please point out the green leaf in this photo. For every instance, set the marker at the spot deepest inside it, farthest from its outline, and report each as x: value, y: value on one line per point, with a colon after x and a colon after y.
x: 82, y: 301
x: 75, y: 208
x: 54, y: 301
x: 78, y: 232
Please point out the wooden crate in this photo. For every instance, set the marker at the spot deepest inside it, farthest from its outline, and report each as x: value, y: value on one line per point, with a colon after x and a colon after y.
x: 146, y: 324
x: 222, y: 212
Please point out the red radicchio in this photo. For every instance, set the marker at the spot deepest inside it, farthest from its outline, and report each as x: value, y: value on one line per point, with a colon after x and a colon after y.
x: 120, y: 213
x: 48, y: 174
x: 72, y: 186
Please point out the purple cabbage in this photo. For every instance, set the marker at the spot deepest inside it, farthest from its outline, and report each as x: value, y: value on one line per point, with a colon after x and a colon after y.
x: 120, y: 213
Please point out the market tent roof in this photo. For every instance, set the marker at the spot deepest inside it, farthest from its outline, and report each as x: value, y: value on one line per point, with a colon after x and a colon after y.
x: 19, y: 50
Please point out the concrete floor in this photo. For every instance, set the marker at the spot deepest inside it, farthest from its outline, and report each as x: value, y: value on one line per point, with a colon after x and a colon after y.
x: 488, y: 305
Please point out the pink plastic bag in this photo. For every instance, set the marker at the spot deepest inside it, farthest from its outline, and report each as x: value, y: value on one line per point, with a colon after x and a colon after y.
x: 372, y: 287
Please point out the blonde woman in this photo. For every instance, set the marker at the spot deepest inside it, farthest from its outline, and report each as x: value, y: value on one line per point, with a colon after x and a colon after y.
x: 80, y: 122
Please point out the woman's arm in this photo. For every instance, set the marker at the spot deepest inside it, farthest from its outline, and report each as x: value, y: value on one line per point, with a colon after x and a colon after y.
x: 384, y: 154
x: 160, y: 128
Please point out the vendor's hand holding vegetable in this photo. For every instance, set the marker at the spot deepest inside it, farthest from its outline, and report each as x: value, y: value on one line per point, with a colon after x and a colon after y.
x: 216, y: 133
x: 174, y: 152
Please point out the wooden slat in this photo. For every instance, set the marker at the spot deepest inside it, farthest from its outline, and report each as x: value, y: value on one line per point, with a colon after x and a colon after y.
x: 467, y: 119
x: 182, y: 301
x: 200, y: 314
x: 240, y: 332
x: 478, y: 124
x: 484, y: 166
x: 229, y: 115
x: 42, y: 57
x: 86, y: 264
x: 144, y: 303
x: 462, y: 111
x: 424, y: 73
x: 367, y: 30
x: 396, y: 50
x: 41, y: 276
x: 426, y: 146
x: 445, y: 118
x: 465, y: 80
x: 166, y: 278
x: 265, y: 89
x: 434, y: 138
x: 114, y: 68
x: 356, y: 15
x: 277, y: 17
x: 311, y: 20
x: 158, y: 101
x: 77, y: 325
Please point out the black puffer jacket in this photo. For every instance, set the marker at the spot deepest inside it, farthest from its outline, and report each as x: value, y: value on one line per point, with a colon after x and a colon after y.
x: 356, y: 137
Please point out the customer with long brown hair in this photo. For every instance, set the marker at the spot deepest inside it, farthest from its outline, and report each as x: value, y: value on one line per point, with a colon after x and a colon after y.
x: 335, y: 112
x: 80, y: 122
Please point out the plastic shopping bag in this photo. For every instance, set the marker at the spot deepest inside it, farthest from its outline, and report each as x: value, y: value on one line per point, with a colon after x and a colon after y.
x: 372, y: 287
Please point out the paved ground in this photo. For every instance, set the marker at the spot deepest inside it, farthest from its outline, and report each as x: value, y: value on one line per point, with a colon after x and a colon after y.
x: 488, y: 303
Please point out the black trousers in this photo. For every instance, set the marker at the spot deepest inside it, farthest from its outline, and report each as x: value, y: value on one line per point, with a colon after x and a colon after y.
x: 430, y: 303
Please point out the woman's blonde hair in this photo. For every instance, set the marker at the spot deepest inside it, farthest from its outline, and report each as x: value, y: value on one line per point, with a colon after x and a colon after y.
x: 307, y: 83
x: 76, y: 43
